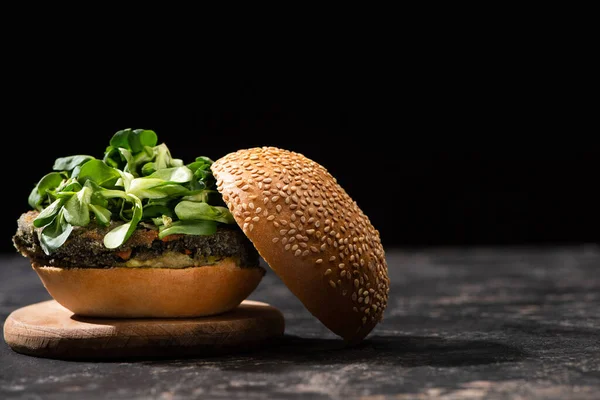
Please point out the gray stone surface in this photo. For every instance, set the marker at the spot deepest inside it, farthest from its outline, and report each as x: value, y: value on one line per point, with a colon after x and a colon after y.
x: 473, y: 323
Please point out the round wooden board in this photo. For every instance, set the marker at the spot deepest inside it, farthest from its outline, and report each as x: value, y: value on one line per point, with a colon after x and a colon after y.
x: 49, y: 330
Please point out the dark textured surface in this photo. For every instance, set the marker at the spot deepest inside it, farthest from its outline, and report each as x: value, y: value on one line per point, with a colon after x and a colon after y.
x: 483, y: 323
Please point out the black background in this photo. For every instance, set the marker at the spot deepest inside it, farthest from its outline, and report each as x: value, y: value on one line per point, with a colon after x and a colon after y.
x: 434, y: 156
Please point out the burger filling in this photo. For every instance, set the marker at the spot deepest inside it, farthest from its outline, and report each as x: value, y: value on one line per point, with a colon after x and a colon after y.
x: 144, y: 249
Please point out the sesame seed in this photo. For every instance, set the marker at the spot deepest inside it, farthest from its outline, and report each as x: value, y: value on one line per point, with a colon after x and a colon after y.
x: 298, y: 252
x: 332, y: 284
x: 314, y: 198
x: 256, y: 219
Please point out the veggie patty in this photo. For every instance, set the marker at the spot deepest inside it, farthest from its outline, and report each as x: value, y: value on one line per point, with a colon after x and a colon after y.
x: 85, y: 249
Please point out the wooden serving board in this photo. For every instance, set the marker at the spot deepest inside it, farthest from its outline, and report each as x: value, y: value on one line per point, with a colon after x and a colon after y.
x: 49, y: 330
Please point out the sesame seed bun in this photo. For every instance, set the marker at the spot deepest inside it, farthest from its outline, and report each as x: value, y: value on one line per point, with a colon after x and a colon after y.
x: 123, y: 292
x: 311, y: 233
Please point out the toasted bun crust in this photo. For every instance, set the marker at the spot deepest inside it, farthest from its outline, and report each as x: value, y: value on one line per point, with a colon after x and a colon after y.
x: 150, y: 292
x: 311, y: 233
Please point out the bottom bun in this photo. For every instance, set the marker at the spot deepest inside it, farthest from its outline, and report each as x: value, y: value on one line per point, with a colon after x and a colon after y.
x: 123, y: 292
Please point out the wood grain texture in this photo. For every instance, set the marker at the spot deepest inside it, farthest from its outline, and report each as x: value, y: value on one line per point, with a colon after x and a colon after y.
x: 47, y: 329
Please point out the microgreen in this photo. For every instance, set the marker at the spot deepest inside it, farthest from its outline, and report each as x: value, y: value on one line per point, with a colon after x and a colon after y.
x: 136, y: 180
x: 198, y: 227
x: 69, y: 163
x: 194, y: 210
x: 45, y: 185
